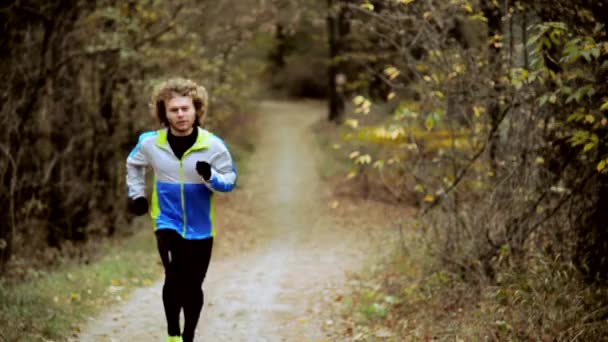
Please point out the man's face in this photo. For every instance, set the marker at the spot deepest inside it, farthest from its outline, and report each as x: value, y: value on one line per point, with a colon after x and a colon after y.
x: 180, y: 114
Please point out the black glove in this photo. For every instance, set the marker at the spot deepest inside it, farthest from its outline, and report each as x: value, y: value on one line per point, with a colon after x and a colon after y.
x: 204, y: 169
x: 138, y: 206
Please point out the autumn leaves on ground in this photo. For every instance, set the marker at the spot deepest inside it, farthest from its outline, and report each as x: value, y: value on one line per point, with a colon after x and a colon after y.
x: 285, y: 247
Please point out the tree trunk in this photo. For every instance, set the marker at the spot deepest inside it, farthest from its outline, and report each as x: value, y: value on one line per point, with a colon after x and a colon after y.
x: 494, y: 15
x: 592, y: 236
x: 277, y: 56
x: 105, y: 155
x: 68, y: 193
x: 336, y: 99
x: 591, y: 255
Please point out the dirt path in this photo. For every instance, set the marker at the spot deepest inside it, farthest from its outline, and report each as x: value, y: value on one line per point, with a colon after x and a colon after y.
x: 268, y: 278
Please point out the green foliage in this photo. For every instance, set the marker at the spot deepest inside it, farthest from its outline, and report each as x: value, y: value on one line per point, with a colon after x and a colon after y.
x: 577, y: 84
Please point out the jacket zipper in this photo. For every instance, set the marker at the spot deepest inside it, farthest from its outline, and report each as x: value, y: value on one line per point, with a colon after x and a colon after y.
x: 181, y: 186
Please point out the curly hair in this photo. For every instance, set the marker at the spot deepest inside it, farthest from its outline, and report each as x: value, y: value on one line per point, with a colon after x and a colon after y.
x: 179, y: 87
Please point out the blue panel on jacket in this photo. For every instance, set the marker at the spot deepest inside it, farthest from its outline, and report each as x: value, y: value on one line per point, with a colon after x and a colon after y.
x: 170, y: 205
x: 198, y: 210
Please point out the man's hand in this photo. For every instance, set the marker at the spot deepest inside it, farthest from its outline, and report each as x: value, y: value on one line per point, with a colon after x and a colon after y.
x: 204, y: 169
x: 138, y: 206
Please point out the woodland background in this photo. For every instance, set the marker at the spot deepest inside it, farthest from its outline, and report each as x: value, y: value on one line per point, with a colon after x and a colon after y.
x: 490, y: 116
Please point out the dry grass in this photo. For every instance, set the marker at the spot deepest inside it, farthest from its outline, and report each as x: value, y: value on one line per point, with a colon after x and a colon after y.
x: 51, y: 304
x: 407, y: 297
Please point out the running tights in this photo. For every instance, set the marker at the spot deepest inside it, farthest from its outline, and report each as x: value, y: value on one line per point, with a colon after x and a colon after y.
x: 185, y: 263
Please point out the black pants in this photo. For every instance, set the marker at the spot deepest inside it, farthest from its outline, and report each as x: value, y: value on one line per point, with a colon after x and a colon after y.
x: 186, y: 263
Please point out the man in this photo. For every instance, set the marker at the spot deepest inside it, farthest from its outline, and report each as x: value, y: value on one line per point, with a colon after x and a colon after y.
x: 189, y: 165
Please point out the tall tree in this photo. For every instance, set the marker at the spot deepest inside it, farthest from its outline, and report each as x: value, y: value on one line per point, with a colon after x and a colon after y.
x: 338, y: 27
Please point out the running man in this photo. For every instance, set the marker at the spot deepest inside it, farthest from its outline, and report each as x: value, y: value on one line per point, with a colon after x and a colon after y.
x: 190, y: 164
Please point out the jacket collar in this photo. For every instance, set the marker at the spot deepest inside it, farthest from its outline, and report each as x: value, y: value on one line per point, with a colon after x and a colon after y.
x: 202, y: 139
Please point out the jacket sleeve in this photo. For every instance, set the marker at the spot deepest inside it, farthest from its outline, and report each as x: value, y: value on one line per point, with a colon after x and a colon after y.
x: 137, y: 161
x: 223, y: 172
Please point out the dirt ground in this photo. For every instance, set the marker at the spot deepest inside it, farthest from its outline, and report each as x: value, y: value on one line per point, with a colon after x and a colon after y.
x: 282, y: 251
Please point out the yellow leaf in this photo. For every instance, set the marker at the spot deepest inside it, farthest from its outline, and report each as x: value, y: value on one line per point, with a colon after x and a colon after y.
x: 351, y: 175
x: 479, y: 16
x: 436, y: 53
x: 364, y: 159
x: 427, y: 78
x: 429, y: 123
x: 540, y: 160
x: 478, y: 128
x: 601, y: 165
x: 419, y: 188
x: 410, y: 147
x: 438, y: 94
x: 336, y: 146
x: 363, y: 104
x: 378, y: 164
x: 354, y: 154
x: 422, y: 67
x: 426, y: 15
x: 429, y: 198
x: 352, y: 123
x: 589, y: 118
x: 390, y: 96
x: 368, y: 6
x: 477, y: 110
x: 552, y: 98
x: 391, y: 72
x: 467, y: 7
x: 358, y: 100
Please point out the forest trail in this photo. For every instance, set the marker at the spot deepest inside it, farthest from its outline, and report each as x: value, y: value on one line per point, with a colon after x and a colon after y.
x: 288, y: 252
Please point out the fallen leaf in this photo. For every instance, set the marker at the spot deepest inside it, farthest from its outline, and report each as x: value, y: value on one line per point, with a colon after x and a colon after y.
x: 383, y: 332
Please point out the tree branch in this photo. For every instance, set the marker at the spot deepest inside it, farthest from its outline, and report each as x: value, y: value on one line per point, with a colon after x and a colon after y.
x: 464, y: 171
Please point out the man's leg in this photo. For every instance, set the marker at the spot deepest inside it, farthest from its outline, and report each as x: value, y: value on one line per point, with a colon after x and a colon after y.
x: 198, y: 254
x: 169, y: 247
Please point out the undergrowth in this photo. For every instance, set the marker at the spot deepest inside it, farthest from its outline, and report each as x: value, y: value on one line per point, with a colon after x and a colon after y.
x: 411, y: 298
x: 416, y: 295
x: 54, y: 304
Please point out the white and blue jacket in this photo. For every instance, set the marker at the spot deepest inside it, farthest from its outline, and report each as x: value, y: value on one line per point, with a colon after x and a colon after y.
x: 181, y: 199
